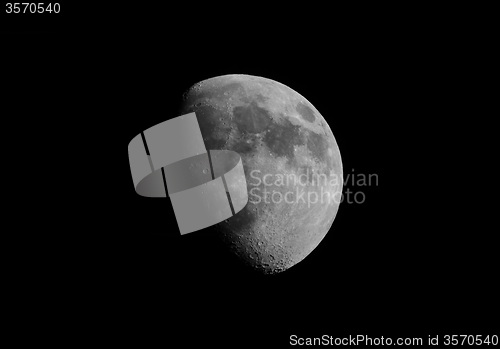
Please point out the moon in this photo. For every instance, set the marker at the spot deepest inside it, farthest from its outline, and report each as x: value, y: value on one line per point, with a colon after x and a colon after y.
x: 291, y: 161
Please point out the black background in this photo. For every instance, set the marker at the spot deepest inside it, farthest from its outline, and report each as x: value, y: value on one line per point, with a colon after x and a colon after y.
x: 414, y: 259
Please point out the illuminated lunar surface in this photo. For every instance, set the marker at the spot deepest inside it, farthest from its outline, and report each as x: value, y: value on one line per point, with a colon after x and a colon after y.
x: 291, y: 160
